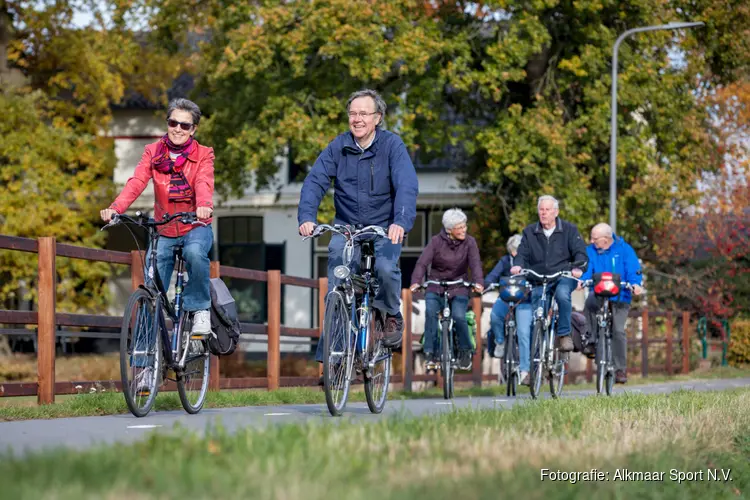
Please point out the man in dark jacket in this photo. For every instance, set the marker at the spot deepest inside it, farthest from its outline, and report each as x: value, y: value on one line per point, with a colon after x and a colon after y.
x: 547, y: 247
x: 610, y: 253
x: 374, y: 184
x: 449, y: 255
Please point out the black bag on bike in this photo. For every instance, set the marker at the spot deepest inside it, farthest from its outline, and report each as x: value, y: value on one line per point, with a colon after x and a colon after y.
x: 583, y: 340
x: 225, y: 323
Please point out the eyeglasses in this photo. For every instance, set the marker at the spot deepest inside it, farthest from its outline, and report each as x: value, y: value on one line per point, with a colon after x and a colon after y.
x: 183, y: 125
x: 360, y: 114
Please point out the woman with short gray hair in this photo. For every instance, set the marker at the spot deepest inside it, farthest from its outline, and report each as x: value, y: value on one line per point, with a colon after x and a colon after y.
x: 496, y: 335
x: 182, y: 171
x: 449, y: 255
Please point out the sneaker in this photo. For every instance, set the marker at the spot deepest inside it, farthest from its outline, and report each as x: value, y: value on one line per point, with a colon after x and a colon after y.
x: 499, y: 350
x: 621, y: 377
x: 566, y: 343
x: 201, y: 323
x: 464, y: 360
x: 429, y: 361
x: 144, y: 381
x: 524, y: 378
x: 394, y: 329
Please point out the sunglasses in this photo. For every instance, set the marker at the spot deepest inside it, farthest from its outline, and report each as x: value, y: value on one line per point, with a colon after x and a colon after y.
x: 183, y: 126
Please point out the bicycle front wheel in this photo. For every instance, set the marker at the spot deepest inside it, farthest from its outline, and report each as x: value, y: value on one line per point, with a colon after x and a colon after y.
x: 538, y: 351
x: 557, y: 371
x: 379, y: 375
x: 610, y: 376
x: 192, y: 382
x: 447, y: 361
x: 339, y: 354
x: 140, y: 353
x: 601, y: 364
x: 510, y: 362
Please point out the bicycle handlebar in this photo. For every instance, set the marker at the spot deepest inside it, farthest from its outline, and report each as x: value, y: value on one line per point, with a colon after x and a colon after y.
x: 141, y: 220
x: 346, y: 231
x: 466, y: 284
x: 624, y: 284
x: 559, y: 274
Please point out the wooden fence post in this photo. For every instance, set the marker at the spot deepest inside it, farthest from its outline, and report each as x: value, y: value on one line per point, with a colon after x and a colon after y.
x: 476, y: 366
x: 589, y: 370
x: 406, y: 356
x: 214, y: 373
x: 274, y: 329
x: 136, y: 269
x: 669, y: 343
x: 322, y: 293
x: 685, y: 342
x: 47, y: 325
x: 644, y: 345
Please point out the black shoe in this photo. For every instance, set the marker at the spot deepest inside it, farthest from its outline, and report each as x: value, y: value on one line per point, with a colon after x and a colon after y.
x: 321, y: 381
x: 394, y: 329
x: 464, y: 360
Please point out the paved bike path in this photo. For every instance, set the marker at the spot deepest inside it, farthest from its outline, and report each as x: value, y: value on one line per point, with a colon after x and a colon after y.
x: 83, y: 432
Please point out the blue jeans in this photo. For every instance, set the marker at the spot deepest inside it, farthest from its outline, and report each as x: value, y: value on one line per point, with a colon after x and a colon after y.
x: 563, y: 290
x: 196, y: 246
x: 387, y: 272
x: 433, y: 305
x: 524, y: 320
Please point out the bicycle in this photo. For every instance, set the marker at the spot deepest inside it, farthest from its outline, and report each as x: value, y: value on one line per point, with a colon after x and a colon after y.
x: 514, y: 291
x: 350, y: 345
x: 605, y: 286
x: 546, y: 358
x: 448, y: 341
x: 145, y: 338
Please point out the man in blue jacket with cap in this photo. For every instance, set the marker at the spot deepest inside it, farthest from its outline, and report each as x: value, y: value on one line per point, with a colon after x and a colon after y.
x: 608, y: 253
x: 374, y: 184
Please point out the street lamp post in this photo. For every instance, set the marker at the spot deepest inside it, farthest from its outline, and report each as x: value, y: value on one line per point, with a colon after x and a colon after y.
x: 613, y: 140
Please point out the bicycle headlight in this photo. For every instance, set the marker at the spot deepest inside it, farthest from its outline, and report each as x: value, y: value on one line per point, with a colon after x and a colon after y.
x: 341, y: 272
x: 446, y: 312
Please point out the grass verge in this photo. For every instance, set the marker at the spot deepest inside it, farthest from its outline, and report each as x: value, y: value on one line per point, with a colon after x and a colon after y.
x: 112, y: 403
x: 466, y: 454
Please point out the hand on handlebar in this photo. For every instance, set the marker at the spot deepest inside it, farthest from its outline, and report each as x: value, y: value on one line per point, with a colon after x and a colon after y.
x: 107, y: 214
x: 479, y: 288
x: 577, y: 273
x: 515, y: 270
x: 203, y: 212
x: 415, y: 287
x: 307, y: 228
x: 396, y: 234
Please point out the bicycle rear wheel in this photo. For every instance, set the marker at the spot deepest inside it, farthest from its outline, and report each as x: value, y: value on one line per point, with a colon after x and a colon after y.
x: 140, y: 353
x: 339, y: 354
x: 192, y: 383
x: 379, y: 375
x: 601, y: 364
x: 538, y: 350
x: 447, y: 360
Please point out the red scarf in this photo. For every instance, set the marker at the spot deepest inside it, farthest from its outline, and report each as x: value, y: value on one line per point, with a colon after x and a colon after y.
x: 179, y: 188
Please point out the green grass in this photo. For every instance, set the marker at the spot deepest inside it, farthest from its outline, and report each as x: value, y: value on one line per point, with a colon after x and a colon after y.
x: 462, y: 454
x: 112, y: 403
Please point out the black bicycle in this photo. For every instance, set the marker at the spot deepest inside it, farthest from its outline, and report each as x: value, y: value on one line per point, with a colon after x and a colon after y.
x: 149, y: 347
x: 448, y: 340
x: 514, y: 291
x: 605, y: 286
x: 351, y: 345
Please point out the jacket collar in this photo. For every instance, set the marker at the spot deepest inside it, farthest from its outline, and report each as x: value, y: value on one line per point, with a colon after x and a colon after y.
x: 558, y: 226
x: 193, y: 156
x: 448, y: 240
x: 351, y: 146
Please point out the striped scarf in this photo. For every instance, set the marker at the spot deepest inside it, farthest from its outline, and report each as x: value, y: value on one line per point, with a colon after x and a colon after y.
x: 179, y: 188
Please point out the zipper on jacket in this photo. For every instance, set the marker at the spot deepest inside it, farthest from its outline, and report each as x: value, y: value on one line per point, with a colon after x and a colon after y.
x: 372, y: 177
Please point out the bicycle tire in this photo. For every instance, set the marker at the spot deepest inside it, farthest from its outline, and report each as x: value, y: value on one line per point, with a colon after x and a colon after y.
x: 557, y: 373
x: 447, y: 361
x: 538, y: 347
x: 610, y: 377
x: 140, y: 315
x: 337, y: 335
x: 197, y: 362
x: 376, y: 399
x: 509, y: 361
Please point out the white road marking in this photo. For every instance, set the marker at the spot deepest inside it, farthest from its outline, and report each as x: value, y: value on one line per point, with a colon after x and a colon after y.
x: 444, y: 403
x: 500, y: 400
x: 144, y: 426
x: 276, y: 414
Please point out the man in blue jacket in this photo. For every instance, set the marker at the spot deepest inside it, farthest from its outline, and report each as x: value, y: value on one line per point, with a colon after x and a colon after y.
x: 609, y: 253
x: 374, y: 184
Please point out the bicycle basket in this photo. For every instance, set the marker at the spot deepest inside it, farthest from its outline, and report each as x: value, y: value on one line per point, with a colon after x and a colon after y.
x: 606, y: 284
x: 513, y: 289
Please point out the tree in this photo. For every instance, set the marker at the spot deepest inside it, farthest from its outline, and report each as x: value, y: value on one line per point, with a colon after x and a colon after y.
x: 59, y: 82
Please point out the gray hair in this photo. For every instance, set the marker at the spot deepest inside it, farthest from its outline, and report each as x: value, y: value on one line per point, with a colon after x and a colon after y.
x: 513, y: 243
x: 185, y: 105
x: 380, y: 106
x: 453, y: 217
x: 547, y: 197
x: 604, y: 229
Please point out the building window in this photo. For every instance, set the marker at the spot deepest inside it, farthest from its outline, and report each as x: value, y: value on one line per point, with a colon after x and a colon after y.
x: 416, y: 237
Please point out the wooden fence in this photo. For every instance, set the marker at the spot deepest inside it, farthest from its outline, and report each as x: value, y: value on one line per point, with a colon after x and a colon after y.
x: 48, y: 319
